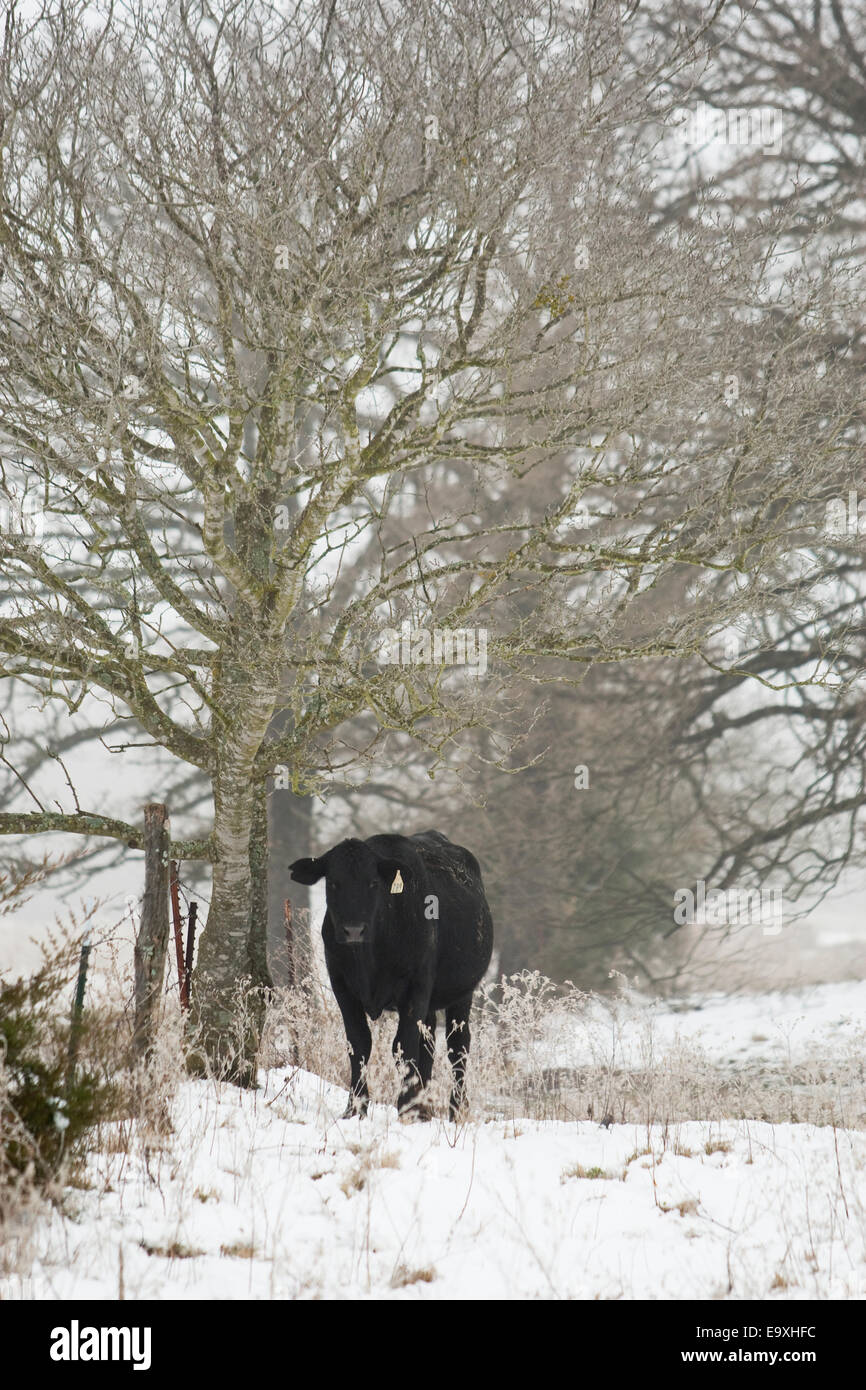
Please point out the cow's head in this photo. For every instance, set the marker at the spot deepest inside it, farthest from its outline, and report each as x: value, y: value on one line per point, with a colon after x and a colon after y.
x: 358, y: 883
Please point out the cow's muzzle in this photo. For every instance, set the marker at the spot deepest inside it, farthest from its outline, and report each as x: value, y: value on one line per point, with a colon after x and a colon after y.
x: 351, y: 933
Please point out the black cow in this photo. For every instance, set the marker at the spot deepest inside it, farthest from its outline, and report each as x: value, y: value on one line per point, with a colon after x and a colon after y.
x: 408, y: 930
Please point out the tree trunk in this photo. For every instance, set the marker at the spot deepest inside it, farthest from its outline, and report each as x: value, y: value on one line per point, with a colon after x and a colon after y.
x: 231, y: 976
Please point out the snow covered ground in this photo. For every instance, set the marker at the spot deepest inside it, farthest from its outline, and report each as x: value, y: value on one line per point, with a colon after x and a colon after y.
x: 769, y: 1029
x: 269, y: 1194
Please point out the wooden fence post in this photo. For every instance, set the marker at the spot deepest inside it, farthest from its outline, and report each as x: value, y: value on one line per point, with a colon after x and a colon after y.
x: 77, y: 1010
x: 152, y: 941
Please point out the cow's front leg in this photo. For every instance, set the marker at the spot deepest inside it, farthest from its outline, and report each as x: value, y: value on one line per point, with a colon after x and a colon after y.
x: 458, y: 1038
x: 360, y: 1042
x: 408, y: 1045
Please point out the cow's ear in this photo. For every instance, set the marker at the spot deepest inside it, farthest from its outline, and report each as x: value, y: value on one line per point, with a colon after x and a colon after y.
x: 393, y: 874
x: 308, y: 870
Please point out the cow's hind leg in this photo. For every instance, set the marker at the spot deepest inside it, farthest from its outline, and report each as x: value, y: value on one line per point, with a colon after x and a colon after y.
x: 417, y: 1059
x: 360, y: 1042
x: 458, y: 1038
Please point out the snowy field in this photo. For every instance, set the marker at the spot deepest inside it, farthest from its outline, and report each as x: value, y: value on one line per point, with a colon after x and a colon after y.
x: 269, y: 1194
x: 770, y: 1029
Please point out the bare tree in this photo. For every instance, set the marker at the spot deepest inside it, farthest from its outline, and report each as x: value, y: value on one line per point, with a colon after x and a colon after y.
x: 289, y: 295
x: 773, y: 115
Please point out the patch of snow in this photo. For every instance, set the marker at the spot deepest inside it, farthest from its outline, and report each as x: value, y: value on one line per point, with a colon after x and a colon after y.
x: 760, y: 1029
x: 269, y: 1194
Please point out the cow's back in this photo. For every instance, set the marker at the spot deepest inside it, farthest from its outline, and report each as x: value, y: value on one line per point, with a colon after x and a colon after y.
x: 440, y: 853
x: 465, y: 924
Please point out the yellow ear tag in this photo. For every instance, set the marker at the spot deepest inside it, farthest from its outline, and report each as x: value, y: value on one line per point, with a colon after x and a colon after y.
x: 397, y: 883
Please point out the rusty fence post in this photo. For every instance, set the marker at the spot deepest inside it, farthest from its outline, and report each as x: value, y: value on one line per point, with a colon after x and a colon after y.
x: 190, y: 949
x: 174, y: 884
